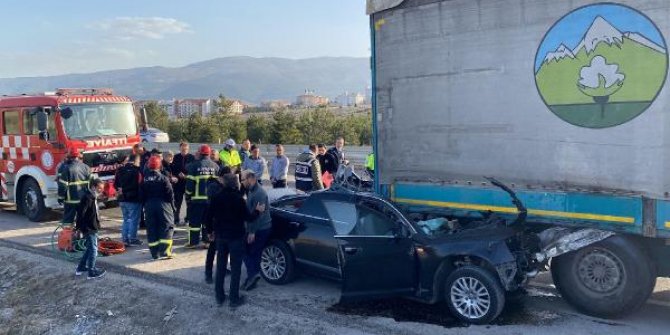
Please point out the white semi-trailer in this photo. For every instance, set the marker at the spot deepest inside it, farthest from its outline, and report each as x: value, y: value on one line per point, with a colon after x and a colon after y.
x: 565, y: 101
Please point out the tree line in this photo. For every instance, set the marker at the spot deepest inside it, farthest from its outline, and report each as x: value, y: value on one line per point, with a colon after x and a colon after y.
x: 318, y: 125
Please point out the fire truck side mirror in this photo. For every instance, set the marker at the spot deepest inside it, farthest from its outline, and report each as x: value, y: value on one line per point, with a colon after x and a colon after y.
x: 66, y: 113
x: 42, y: 120
x: 143, y: 119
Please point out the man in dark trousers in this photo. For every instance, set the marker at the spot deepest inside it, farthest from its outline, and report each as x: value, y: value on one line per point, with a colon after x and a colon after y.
x: 215, y: 187
x: 127, y: 183
x: 179, y: 170
x: 258, y: 229
x: 73, y: 179
x: 88, y: 223
x: 226, y: 216
x: 198, y: 176
x: 158, y: 200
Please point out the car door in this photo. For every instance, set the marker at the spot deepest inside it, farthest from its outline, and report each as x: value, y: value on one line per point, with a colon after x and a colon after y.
x: 315, y: 246
x: 376, y: 254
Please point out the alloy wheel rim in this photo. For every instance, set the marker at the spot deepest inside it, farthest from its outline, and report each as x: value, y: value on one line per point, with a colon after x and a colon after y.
x: 470, y: 297
x: 273, y: 263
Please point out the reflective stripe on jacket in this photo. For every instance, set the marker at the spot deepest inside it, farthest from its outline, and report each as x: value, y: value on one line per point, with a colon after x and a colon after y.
x: 199, y: 173
x: 73, y: 180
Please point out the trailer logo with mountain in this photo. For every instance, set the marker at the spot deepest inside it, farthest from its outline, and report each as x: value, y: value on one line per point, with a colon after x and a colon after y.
x: 601, y: 65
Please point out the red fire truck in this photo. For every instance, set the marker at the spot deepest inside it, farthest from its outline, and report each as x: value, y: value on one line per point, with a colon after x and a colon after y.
x: 37, y: 131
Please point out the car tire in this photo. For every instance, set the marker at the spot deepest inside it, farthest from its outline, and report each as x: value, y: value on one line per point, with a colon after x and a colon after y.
x: 277, y: 263
x: 32, y: 201
x: 626, y: 265
x: 488, y: 301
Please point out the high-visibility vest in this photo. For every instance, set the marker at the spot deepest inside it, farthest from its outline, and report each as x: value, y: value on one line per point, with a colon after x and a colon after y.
x: 230, y: 158
x: 370, y: 162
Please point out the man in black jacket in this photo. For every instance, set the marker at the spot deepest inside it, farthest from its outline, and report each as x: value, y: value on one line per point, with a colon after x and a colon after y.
x: 225, y: 220
x: 127, y: 184
x: 336, y: 156
x: 179, y: 168
x: 88, y: 223
x: 214, y: 187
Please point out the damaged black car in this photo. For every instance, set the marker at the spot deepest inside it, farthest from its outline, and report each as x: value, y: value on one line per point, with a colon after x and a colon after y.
x: 377, y: 251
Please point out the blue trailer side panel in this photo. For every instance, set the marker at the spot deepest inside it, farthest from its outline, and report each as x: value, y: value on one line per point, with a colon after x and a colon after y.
x: 621, y: 214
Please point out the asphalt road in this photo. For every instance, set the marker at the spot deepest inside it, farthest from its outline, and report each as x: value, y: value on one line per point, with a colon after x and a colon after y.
x: 542, y: 311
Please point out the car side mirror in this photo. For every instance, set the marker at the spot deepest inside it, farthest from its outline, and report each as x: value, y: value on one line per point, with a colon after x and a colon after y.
x: 398, y: 231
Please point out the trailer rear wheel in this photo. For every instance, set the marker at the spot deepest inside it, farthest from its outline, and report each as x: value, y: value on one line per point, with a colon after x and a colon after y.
x: 608, y: 279
x: 32, y: 201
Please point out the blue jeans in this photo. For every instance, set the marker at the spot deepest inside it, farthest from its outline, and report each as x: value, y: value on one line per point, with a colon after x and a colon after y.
x: 131, y: 219
x: 87, y: 261
x: 252, y: 260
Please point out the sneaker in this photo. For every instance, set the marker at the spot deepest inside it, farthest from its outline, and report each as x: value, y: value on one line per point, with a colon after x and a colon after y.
x: 97, y: 273
x: 136, y: 243
x: 251, y: 284
x: 78, y: 272
x: 234, y: 303
x: 127, y: 244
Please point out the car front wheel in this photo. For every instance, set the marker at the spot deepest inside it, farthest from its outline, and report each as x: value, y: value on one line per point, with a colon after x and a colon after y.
x: 277, y: 265
x: 474, y: 295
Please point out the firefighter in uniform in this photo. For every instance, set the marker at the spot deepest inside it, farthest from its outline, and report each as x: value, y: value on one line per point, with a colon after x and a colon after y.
x: 199, y: 174
x: 308, y: 171
x: 73, y: 180
x: 158, y: 199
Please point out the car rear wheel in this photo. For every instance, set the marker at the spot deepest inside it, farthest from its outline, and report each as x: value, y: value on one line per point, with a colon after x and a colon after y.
x: 474, y: 295
x: 277, y: 265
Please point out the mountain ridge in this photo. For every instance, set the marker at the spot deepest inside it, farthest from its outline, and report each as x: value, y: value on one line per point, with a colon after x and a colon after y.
x: 247, y: 78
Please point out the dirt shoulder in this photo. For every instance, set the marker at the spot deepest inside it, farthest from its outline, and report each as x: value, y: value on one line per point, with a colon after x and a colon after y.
x: 40, y: 295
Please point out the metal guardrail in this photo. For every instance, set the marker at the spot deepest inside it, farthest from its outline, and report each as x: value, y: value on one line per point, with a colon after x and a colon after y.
x: 355, y: 154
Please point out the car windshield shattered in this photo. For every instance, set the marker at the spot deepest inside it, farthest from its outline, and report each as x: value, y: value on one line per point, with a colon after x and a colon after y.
x: 96, y: 120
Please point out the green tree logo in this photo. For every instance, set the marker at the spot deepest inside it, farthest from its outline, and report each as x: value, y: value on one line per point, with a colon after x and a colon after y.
x: 600, y: 80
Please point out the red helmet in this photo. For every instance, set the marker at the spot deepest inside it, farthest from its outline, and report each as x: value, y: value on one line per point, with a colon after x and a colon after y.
x: 205, y: 150
x: 73, y: 153
x: 154, y: 163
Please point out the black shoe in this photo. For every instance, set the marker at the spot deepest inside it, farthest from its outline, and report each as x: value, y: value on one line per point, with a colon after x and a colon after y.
x: 234, y: 303
x: 251, y: 284
x: 220, y: 301
x: 97, y: 273
x: 136, y: 243
x: 209, y: 279
x: 78, y: 272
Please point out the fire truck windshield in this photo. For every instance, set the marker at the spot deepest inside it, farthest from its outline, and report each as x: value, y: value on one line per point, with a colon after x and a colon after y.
x: 98, y: 120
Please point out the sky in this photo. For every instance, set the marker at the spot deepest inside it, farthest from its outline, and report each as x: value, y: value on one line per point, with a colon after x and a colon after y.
x: 571, y: 29
x: 77, y: 36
